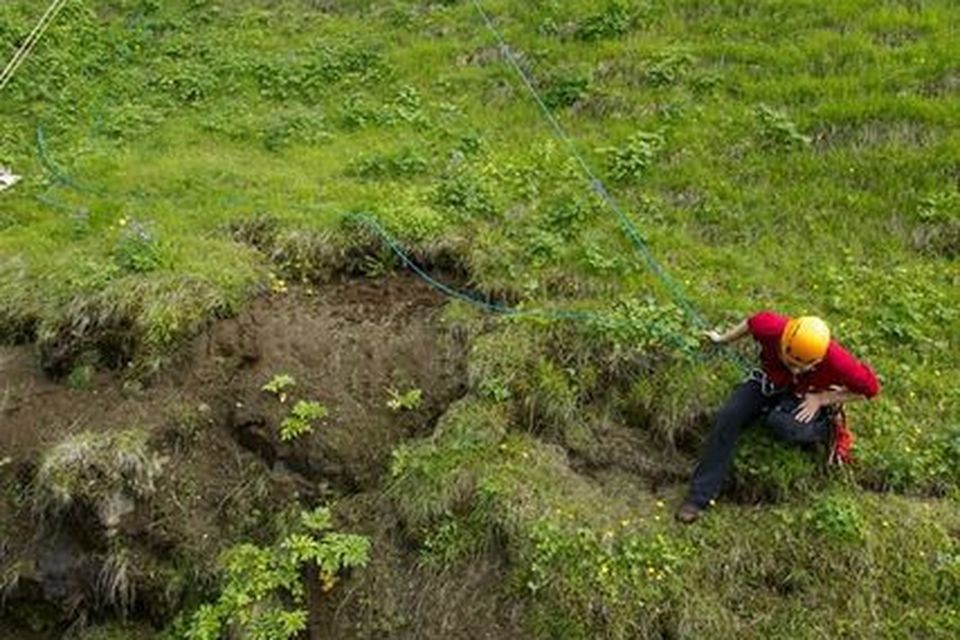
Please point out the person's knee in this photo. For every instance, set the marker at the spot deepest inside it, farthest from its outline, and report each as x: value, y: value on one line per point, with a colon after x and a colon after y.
x: 781, y: 423
x: 785, y: 426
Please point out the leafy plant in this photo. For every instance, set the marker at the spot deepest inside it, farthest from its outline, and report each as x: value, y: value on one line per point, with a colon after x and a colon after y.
x: 407, y: 401
x: 286, y: 128
x: 262, y: 594
x: 470, y: 143
x: 615, y: 20
x: 940, y: 207
x: 668, y: 68
x: 81, y: 376
x: 643, y: 325
x: 836, y: 517
x: 465, y: 195
x: 566, y: 217
x: 301, y: 418
x: 408, y: 106
x: 137, y: 250
x: 404, y: 164
x: 279, y: 384
x: 357, y: 113
x: 779, y: 131
x: 627, y: 164
x: 564, y: 89
x: 309, y: 73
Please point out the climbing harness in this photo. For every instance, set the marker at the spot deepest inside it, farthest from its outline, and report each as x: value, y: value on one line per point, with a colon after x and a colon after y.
x: 767, y: 388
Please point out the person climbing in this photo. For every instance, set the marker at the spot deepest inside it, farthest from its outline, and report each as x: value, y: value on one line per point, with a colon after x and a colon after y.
x: 803, y: 380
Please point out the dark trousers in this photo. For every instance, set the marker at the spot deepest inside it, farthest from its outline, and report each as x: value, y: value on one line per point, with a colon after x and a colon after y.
x: 747, y: 404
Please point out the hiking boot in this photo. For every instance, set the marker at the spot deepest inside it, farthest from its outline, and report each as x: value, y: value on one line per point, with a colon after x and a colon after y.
x: 688, y: 513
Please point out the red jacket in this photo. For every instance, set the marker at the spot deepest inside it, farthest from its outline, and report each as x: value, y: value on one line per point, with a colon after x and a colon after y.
x: 838, y: 367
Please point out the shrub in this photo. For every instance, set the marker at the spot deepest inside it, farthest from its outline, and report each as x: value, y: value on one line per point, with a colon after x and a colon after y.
x: 465, y: 196
x: 668, y: 68
x: 260, y: 583
x: 627, y: 164
x: 615, y: 20
x: 565, y: 89
x: 403, y: 164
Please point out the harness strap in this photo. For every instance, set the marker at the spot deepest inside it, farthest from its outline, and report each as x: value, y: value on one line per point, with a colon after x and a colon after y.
x: 767, y: 388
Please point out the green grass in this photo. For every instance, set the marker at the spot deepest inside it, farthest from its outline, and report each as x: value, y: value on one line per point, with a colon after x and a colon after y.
x: 804, y: 158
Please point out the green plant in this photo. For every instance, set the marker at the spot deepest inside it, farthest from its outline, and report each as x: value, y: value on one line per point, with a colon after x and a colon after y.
x: 408, y: 106
x: 566, y: 88
x: 836, y: 517
x: 357, y: 113
x: 309, y: 73
x: 940, y: 207
x: 779, y: 131
x: 81, y: 376
x: 668, y: 68
x: 938, y: 228
x: 567, y: 217
x: 376, y: 265
x: 404, y: 164
x: 301, y: 418
x: 137, y: 249
x: 767, y: 469
x: 470, y: 143
x: 573, y: 571
x: 616, y: 19
x: 262, y: 593
x: 279, y: 384
x: 464, y: 195
x: 406, y: 401
x: 299, y: 126
x: 642, y: 325
x: 628, y: 163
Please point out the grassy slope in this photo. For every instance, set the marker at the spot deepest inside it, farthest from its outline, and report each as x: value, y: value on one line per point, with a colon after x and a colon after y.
x: 841, y: 198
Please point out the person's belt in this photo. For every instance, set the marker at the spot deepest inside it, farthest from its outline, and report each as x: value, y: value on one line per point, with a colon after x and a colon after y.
x: 767, y: 387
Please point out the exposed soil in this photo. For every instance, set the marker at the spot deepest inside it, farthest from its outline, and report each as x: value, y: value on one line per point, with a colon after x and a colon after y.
x: 226, y: 471
x: 345, y: 344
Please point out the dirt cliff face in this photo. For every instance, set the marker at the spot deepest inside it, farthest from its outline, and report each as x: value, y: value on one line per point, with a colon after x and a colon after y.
x: 210, y: 433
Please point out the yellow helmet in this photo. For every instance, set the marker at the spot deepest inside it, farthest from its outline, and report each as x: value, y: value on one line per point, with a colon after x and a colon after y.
x: 804, y: 341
